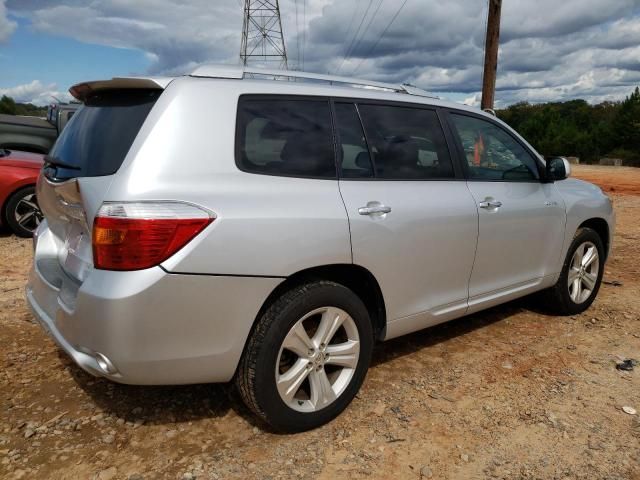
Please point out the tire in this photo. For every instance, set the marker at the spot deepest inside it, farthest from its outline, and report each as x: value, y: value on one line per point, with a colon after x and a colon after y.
x: 267, y: 363
x: 23, y: 203
x: 561, y: 298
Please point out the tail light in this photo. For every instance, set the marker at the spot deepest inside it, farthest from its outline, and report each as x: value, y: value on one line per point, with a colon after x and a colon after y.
x: 133, y: 236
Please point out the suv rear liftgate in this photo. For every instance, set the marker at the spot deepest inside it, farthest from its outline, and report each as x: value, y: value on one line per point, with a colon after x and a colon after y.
x: 70, y: 190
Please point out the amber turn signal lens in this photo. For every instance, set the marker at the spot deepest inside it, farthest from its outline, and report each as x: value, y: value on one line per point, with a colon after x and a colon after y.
x: 134, y: 236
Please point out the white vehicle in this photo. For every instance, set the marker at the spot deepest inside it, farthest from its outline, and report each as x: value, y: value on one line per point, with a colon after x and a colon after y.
x: 218, y: 226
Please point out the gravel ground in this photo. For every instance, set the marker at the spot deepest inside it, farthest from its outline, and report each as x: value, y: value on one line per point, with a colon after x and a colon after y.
x: 508, y: 393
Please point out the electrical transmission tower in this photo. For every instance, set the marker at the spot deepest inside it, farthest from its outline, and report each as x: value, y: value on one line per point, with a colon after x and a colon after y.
x: 262, y: 38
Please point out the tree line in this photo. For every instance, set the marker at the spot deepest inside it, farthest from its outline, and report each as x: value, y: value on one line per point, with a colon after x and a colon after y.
x: 577, y: 129
x: 9, y: 106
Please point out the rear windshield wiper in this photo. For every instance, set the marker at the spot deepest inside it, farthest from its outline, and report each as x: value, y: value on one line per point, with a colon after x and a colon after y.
x: 56, y: 162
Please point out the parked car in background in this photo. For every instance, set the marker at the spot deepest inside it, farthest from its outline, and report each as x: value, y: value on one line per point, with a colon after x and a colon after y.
x: 214, y: 227
x: 33, y: 134
x: 19, y: 208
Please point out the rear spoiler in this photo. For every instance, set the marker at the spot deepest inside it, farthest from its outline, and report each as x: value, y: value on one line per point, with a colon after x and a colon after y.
x: 82, y: 90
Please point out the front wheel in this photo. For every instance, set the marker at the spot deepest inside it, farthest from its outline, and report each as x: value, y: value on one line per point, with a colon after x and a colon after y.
x: 581, y: 275
x: 307, y: 357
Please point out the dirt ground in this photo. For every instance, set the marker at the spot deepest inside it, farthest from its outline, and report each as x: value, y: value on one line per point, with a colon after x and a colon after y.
x: 616, y: 180
x: 509, y: 393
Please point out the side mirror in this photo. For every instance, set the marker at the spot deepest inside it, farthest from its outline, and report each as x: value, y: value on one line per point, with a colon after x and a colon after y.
x: 558, y: 168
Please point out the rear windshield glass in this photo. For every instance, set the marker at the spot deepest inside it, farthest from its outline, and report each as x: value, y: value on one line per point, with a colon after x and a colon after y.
x: 98, y: 137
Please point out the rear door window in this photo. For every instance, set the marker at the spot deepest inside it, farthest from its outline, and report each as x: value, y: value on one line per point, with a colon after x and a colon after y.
x: 355, y: 161
x: 287, y: 137
x: 98, y: 137
x: 406, y: 143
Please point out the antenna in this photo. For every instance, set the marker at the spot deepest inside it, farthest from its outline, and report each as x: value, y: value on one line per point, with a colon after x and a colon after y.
x: 262, y: 39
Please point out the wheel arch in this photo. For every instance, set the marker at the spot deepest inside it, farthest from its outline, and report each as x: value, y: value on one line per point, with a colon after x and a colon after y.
x: 355, y: 277
x: 601, y: 227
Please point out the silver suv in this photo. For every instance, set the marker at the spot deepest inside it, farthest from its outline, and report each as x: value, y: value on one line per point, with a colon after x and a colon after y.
x: 229, y: 225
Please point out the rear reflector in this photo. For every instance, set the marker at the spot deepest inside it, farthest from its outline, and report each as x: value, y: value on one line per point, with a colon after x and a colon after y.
x: 134, y: 236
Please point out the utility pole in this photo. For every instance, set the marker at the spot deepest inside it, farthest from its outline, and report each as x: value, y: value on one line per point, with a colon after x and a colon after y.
x: 262, y: 39
x: 491, y: 54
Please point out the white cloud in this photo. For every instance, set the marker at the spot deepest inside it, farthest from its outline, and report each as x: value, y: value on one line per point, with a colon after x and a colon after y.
x: 170, y: 35
x: 553, y: 18
x: 7, y: 27
x: 473, y: 100
x: 550, y: 50
x: 35, y: 92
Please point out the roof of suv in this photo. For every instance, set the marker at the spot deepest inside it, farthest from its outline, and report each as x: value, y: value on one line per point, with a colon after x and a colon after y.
x: 304, y: 83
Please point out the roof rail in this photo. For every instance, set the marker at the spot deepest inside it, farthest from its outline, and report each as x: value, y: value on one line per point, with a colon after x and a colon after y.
x: 240, y: 72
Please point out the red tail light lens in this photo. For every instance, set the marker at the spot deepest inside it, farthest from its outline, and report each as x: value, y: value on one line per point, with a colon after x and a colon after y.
x: 134, y: 236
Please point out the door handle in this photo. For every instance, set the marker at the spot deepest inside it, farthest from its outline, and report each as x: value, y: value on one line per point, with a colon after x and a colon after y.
x: 374, y: 209
x: 489, y: 204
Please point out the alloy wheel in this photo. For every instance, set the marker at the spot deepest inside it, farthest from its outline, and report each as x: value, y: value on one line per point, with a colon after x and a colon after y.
x: 583, y: 272
x: 27, y: 213
x: 317, y: 359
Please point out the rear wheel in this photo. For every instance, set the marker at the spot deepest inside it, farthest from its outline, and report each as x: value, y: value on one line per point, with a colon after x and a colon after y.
x: 22, y: 213
x: 307, y: 357
x: 581, y: 275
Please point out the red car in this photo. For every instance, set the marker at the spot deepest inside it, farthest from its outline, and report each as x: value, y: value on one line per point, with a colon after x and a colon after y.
x: 18, y: 204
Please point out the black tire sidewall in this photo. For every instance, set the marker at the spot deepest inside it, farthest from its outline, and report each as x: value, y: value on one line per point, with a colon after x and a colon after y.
x: 9, y: 211
x: 582, y: 236
x: 278, y: 414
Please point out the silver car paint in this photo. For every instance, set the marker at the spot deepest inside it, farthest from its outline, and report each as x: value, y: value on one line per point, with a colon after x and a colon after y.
x: 421, y: 253
x: 157, y: 328
x: 188, y: 320
x: 281, y: 225
x: 526, y: 234
x: 583, y: 201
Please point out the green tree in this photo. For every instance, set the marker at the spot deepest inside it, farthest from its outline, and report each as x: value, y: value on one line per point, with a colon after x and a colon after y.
x: 627, y: 122
x: 576, y: 128
x: 8, y: 105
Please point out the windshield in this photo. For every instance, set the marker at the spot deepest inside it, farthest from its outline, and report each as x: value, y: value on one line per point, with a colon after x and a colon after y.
x: 96, y: 140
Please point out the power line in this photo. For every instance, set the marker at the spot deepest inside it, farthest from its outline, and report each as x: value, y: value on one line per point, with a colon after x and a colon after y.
x: 364, y: 57
x: 348, y: 51
x: 353, y: 17
x: 366, y: 28
x: 353, y: 39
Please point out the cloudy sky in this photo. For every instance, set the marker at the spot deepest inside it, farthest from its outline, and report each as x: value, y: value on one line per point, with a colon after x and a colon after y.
x: 550, y: 49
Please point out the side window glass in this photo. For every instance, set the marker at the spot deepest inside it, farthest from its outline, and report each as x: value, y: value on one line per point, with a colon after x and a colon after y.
x: 285, y: 137
x: 407, y: 143
x: 354, y: 152
x: 491, y: 153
